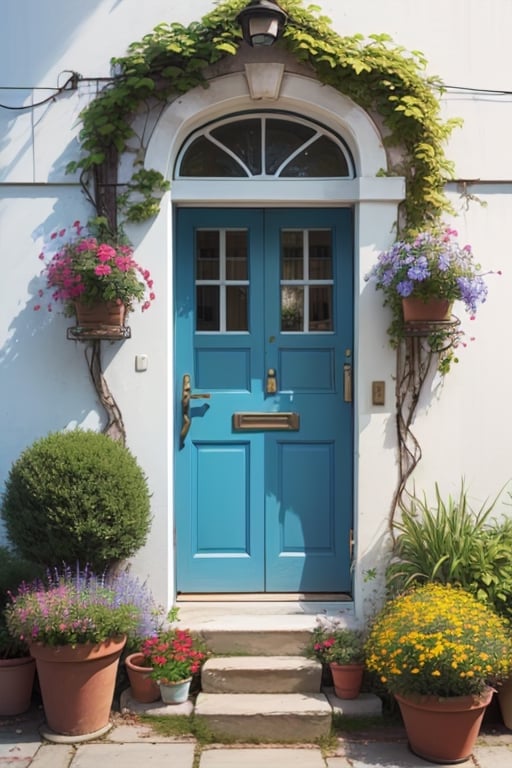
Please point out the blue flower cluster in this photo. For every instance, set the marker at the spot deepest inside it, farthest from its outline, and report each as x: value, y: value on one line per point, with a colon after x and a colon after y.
x: 433, y: 265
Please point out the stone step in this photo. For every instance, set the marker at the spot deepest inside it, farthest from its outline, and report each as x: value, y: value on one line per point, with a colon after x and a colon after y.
x: 259, y: 629
x: 261, y: 674
x: 269, y: 717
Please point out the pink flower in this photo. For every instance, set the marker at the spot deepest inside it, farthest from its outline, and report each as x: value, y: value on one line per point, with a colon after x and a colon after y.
x: 102, y: 269
x: 106, y: 252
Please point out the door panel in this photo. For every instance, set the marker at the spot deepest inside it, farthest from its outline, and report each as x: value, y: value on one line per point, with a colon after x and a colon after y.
x: 264, y: 326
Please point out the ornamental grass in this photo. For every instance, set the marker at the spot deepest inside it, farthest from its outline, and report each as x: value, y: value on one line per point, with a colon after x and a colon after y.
x: 438, y: 640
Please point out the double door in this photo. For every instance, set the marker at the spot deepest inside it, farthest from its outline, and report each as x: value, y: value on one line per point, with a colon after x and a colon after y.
x: 264, y: 458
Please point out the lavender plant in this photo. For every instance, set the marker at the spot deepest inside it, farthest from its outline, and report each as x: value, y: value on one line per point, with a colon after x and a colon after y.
x: 69, y: 607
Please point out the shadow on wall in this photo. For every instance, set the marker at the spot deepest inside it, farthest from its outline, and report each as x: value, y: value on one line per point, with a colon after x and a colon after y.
x: 44, y: 378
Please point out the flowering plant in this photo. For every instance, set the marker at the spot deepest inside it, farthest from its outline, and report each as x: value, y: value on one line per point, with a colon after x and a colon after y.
x: 332, y: 643
x: 92, y: 266
x: 67, y: 609
x: 174, y: 655
x: 430, y: 265
x: 438, y: 640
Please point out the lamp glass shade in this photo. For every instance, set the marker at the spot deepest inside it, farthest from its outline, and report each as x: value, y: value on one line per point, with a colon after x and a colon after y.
x: 263, y: 31
x: 262, y: 22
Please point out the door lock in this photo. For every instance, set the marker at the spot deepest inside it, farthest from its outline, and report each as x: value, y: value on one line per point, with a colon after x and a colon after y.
x: 271, y: 387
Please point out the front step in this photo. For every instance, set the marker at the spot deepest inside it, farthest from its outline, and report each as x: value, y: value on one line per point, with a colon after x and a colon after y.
x: 270, y: 717
x: 260, y: 629
x: 265, y: 689
x: 261, y: 674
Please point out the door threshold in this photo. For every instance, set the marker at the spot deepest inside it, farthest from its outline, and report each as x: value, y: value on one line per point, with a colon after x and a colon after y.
x: 264, y: 597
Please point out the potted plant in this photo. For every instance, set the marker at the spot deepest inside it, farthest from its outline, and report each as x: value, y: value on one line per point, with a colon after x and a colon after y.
x: 76, y: 625
x: 17, y: 667
x: 174, y: 656
x: 342, y: 649
x: 421, y: 276
x: 93, y: 275
x: 17, y: 670
x: 439, y: 650
x: 138, y: 664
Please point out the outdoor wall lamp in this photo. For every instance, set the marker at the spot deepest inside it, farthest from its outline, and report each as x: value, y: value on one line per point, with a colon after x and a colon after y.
x: 262, y: 22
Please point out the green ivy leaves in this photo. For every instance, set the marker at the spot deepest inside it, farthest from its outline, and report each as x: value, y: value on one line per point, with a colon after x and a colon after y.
x: 378, y: 75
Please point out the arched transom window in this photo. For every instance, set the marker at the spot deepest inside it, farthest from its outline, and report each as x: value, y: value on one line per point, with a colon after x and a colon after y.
x: 264, y: 146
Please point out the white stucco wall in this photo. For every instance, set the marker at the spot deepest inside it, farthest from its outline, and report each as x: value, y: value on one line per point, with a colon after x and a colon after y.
x: 462, y: 423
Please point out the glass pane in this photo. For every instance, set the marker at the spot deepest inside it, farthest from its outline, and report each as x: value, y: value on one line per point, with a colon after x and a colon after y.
x: 236, y: 308
x: 207, y: 255
x: 322, y: 158
x: 236, y: 255
x: 292, y: 308
x: 282, y: 139
x: 320, y: 308
x: 207, y: 308
x: 203, y: 158
x: 243, y: 138
x: 292, y: 255
x: 320, y: 255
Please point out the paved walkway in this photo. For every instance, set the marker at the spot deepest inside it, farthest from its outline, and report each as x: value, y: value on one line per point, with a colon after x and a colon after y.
x: 132, y: 745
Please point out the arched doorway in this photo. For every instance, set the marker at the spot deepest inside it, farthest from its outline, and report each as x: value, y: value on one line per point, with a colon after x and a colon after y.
x: 291, y: 207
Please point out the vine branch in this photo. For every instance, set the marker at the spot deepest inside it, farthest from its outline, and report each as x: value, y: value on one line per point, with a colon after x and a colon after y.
x: 414, y: 358
x: 115, y: 426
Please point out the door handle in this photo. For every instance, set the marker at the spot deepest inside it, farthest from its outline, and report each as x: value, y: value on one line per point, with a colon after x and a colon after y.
x: 347, y: 382
x: 186, y: 397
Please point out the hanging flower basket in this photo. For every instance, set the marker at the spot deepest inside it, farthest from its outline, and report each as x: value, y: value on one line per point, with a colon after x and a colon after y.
x: 101, y: 314
x: 431, y: 310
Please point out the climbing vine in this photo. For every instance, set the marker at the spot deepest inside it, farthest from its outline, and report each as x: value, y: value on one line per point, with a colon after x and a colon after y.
x: 381, y: 77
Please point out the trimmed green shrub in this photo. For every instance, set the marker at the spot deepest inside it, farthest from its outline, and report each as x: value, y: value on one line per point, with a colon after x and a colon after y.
x: 76, y: 496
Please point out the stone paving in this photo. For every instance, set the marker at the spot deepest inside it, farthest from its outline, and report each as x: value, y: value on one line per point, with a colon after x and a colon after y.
x: 131, y: 744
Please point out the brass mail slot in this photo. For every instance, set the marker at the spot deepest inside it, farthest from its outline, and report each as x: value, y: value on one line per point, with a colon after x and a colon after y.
x: 266, y: 421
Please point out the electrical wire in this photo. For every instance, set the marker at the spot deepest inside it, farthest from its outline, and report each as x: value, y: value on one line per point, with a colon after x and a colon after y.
x: 74, y: 78
x: 71, y: 84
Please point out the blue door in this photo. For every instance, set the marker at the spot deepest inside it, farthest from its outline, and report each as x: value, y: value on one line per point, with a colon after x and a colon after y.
x: 263, y: 469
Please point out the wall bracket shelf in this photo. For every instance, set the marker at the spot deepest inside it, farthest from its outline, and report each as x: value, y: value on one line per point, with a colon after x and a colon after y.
x: 100, y: 333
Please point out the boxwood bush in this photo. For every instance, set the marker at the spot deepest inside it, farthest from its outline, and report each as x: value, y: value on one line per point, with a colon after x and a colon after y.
x: 76, y: 496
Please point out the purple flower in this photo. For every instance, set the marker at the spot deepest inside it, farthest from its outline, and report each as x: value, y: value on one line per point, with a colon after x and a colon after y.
x: 405, y: 288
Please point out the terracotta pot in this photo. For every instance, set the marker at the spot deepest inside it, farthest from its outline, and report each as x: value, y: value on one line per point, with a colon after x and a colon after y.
x: 16, y: 682
x: 143, y: 688
x: 443, y: 730
x: 77, y: 684
x: 434, y: 310
x: 347, y: 679
x: 99, y: 315
x: 505, y: 701
x: 175, y: 693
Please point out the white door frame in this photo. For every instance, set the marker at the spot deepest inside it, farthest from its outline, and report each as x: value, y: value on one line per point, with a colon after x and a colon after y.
x: 375, y: 198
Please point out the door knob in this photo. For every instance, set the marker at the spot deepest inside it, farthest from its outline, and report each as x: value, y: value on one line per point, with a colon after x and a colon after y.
x: 186, y: 397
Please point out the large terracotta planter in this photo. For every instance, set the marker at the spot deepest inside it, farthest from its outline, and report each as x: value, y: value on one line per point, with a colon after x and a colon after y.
x: 77, y: 684
x: 433, y: 310
x: 16, y: 682
x: 143, y: 688
x: 347, y: 679
x: 505, y: 701
x: 99, y: 315
x: 443, y: 730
